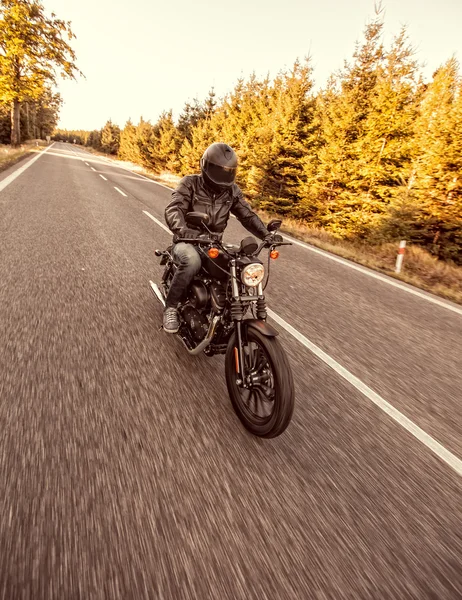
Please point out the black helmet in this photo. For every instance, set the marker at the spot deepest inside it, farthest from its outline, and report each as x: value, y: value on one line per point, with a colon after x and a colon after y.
x: 219, y: 165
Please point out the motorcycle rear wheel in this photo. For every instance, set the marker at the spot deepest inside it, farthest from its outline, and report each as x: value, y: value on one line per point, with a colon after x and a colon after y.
x: 264, y: 409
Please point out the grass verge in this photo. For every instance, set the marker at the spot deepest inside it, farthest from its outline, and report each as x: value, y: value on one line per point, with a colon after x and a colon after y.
x: 9, y: 156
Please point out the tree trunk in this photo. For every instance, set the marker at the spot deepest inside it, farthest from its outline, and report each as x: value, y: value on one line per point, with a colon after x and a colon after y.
x: 15, y: 123
x: 27, y: 122
x: 34, y: 121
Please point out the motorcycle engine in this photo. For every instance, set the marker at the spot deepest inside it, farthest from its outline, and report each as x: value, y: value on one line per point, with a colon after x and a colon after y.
x: 199, y: 295
x: 196, y: 321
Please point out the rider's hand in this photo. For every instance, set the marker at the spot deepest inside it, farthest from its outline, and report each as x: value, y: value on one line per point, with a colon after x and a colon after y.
x: 272, y: 238
x: 189, y: 234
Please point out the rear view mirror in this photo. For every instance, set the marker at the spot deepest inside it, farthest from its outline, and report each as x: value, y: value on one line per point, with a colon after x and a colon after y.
x: 196, y: 219
x: 274, y: 225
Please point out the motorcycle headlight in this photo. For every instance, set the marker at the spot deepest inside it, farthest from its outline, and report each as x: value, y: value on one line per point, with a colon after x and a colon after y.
x: 253, y: 274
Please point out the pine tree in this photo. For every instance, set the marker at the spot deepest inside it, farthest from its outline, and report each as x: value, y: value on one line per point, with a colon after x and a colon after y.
x: 128, y: 147
x: 191, y: 151
x: 332, y: 188
x: 438, y: 164
x: 110, y: 138
x: 384, y: 150
x: 94, y: 139
x: 165, y: 147
x: 145, y: 140
x: 289, y: 131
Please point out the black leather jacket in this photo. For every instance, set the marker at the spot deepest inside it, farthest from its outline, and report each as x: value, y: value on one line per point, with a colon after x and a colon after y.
x: 192, y: 194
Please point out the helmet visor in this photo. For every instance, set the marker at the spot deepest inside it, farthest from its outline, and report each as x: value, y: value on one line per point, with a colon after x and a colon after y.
x: 220, y: 175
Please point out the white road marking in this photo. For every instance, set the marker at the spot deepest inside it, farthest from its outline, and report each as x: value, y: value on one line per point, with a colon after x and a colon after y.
x: 21, y: 169
x: 157, y: 222
x: 102, y: 177
x: 440, y: 451
x: 375, y: 275
x: 85, y: 163
x: 343, y: 261
x: 120, y: 191
x: 423, y: 437
x: 139, y: 175
x: 93, y: 169
x: 116, y: 166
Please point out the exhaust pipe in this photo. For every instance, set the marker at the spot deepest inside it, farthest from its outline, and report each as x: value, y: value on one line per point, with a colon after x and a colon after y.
x: 158, y: 294
x: 208, y: 338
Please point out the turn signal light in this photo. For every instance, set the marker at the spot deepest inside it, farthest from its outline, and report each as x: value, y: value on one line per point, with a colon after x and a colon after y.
x: 274, y: 254
x: 213, y: 252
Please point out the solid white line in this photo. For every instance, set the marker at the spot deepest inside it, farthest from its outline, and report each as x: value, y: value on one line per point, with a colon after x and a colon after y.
x: 120, y: 191
x: 102, y: 177
x: 21, y: 169
x: 440, y: 451
x: 423, y: 437
x: 375, y: 275
x: 157, y: 222
x: 93, y: 169
x: 406, y: 288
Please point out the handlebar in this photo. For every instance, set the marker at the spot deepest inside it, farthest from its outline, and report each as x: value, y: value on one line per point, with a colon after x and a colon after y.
x: 209, y: 241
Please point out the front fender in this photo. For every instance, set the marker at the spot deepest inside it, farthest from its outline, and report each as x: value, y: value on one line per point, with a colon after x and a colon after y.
x: 261, y: 326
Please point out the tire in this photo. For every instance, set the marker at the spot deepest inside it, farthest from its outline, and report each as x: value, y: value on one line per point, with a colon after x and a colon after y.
x: 281, y: 385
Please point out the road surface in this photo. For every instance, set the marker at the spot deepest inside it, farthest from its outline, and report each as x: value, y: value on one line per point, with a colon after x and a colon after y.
x: 126, y: 474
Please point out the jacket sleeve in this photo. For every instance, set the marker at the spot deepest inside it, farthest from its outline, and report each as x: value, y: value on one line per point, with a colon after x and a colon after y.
x: 250, y: 220
x: 176, y: 211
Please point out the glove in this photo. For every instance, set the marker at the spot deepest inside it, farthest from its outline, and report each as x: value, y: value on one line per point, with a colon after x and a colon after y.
x: 272, y: 238
x: 189, y: 234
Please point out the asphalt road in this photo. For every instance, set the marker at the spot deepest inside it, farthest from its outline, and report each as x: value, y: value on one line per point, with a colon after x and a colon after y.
x: 124, y: 471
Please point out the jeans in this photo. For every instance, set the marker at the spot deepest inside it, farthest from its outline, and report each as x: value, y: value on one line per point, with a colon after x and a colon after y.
x: 189, y: 264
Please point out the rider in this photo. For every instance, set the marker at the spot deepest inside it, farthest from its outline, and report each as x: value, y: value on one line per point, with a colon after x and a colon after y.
x: 212, y: 192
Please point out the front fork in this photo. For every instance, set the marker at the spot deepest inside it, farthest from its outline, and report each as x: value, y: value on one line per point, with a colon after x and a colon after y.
x: 237, y: 315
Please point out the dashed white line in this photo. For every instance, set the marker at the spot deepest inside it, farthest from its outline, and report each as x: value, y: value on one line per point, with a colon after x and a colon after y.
x: 157, y: 222
x: 120, y: 191
x: 93, y: 169
x: 85, y: 163
x: 423, y: 437
x: 21, y: 169
x: 102, y: 177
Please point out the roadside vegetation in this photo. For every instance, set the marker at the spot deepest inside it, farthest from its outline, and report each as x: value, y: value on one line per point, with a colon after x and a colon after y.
x: 10, y: 155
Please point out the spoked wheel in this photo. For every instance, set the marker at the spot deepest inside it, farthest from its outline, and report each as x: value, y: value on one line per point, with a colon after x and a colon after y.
x: 264, y: 402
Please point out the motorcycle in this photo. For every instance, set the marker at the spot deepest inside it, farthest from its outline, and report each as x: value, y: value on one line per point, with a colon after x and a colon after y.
x: 225, y: 313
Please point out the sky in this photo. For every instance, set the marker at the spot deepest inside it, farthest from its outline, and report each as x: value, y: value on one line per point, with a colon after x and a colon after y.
x: 141, y: 57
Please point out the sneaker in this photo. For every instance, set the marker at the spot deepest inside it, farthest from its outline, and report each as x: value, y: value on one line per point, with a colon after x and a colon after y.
x: 171, y: 323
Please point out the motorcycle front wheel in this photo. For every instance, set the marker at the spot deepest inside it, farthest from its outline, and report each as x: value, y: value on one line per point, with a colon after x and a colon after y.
x: 266, y: 405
